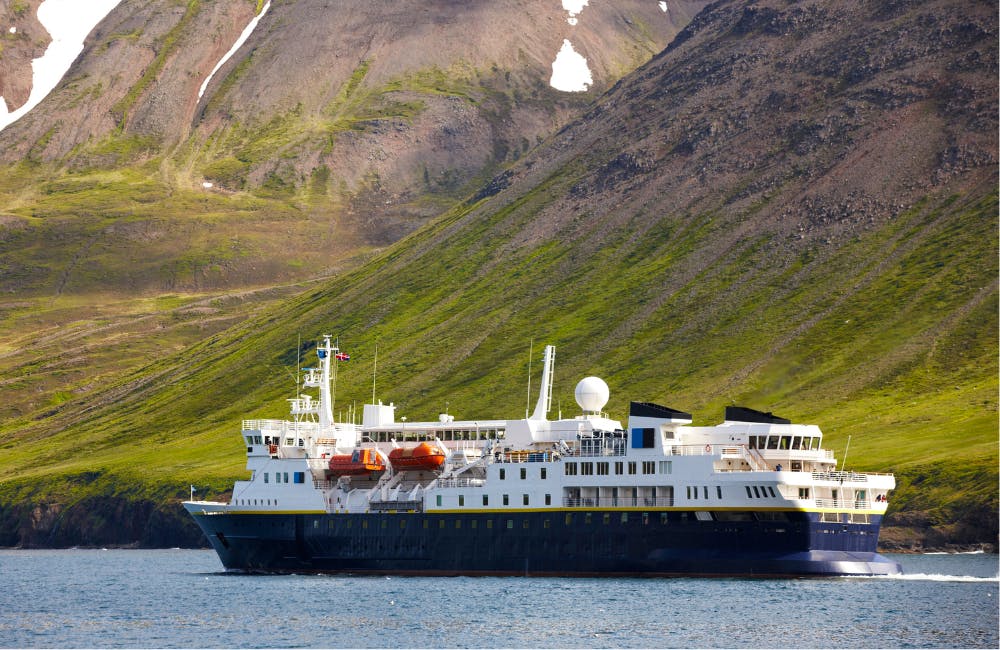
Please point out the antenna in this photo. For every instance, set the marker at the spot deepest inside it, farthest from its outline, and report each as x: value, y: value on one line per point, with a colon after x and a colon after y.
x: 374, y: 368
x: 298, y: 363
x: 843, y: 461
x: 527, y: 403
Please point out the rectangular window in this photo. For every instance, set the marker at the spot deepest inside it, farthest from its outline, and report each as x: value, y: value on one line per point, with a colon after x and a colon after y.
x: 631, y: 467
x: 663, y: 519
x: 602, y: 469
x: 265, y: 477
x: 486, y: 499
x: 803, y: 493
x: 286, y: 477
x: 548, y: 499
x: 619, y: 467
x: 461, y: 499
x: 756, y: 492
x: 749, y: 494
x: 649, y: 467
x: 718, y: 491
x: 666, y: 466
x: 441, y: 523
x: 489, y: 523
x: 542, y: 473
x: 624, y: 517
x: 570, y: 469
x: 503, y: 474
x: 607, y: 518
x: 586, y: 518
x: 300, y: 477
x: 524, y: 499
x: 587, y: 469
x: 438, y: 502
x: 524, y: 473
x: 510, y: 524
x: 771, y: 490
x: 705, y: 491
x: 506, y: 500
x: 474, y: 523
x: 546, y: 524
x: 458, y: 523
x: 569, y: 519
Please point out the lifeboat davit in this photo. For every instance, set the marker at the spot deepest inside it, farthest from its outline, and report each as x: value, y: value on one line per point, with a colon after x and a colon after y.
x: 421, y: 457
x: 357, y: 463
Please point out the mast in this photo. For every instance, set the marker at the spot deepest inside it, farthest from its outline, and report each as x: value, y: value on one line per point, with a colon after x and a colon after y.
x: 544, y: 404
x: 325, y: 353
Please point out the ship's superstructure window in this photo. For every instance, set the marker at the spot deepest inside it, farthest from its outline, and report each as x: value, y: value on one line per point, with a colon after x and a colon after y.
x: 438, y: 500
x: 548, y: 499
x: 486, y: 499
x: 503, y: 474
x: 524, y: 473
x: 631, y: 467
x: 506, y: 500
x: 771, y: 490
x: 649, y: 467
x: 619, y: 467
x: 756, y: 492
x: 749, y: 493
x: 704, y: 490
x: 570, y: 469
x: 587, y: 469
x: 602, y: 469
x: 542, y: 473
x: 666, y: 466
x: 803, y: 493
x: 718, y: 491
x: 265, y: 477
x: 461, y: 499
x: 525, y: 499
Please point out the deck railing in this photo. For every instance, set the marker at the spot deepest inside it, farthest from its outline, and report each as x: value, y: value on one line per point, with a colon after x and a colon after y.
x: 617, y: 502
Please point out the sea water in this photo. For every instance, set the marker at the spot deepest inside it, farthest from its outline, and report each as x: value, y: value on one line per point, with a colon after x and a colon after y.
x: 182, y: 598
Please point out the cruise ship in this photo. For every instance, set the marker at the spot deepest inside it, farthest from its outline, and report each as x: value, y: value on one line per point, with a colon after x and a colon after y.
x: 581, y: 496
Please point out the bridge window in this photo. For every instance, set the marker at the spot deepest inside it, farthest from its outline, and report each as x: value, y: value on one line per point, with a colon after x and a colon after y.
x: 772, y: 442
x: 756, y: 492
x: 749, y: 494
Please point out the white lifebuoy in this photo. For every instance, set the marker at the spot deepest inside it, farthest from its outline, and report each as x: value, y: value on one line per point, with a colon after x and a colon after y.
x: 708, y: 449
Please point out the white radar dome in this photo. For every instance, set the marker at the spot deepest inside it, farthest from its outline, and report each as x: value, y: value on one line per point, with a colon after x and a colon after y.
x: 592, y: 394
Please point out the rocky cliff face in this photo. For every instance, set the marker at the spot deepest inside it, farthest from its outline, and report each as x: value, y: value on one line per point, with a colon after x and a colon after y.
x: 22, y: 38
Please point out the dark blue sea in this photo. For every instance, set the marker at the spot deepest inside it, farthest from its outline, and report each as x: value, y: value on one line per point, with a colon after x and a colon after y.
x: 181, y: 598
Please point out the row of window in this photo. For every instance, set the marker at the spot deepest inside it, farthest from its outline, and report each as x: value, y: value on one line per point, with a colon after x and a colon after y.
x: 785, y: 442
x: 282, y: 477
x: 692, y: 491
x: 542, y: 473
x: 253, y: 502
x: 603, y: 468
x: 760, y: 492
x: 505, y: 499
x: 445, y: 435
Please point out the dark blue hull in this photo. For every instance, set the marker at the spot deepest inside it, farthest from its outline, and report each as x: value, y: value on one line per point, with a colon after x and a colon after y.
x: 559, y: 542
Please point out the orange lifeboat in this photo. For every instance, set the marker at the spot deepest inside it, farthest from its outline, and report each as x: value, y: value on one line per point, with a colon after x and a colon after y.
x: 361, y: 461
x: 421, y: 457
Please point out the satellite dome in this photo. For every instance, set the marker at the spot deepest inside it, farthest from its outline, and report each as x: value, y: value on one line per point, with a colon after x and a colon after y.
x: 592, y: 394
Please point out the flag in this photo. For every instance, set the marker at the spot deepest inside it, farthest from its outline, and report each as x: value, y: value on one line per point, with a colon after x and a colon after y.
x: 342, y: 356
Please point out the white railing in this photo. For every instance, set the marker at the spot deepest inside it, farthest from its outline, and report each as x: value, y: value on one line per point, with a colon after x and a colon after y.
x: 460, y: 482
x: 281, y: 425
x: 846, y: 504
x: 840, y: 477
x: 617, y: 502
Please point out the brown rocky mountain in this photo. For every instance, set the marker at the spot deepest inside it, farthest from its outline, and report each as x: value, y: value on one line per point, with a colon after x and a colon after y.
x: 22, y: 38
x: 355, y: 112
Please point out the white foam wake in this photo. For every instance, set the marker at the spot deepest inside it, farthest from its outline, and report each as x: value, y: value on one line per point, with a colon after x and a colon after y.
x: 937, y: 577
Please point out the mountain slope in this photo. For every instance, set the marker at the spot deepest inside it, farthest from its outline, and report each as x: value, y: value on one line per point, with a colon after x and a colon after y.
x: 794, y: 206
x: 335, y: 128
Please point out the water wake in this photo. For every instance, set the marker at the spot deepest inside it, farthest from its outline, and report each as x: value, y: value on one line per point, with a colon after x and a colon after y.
x: 938, y: 577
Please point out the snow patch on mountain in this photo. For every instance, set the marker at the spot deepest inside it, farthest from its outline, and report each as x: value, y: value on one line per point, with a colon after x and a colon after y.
x: 570, y: 72
x: 68, y: 23
x: 239, y: 42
